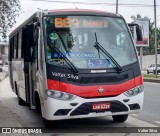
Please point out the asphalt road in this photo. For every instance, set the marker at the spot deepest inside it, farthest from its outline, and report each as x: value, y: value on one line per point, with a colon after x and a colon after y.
x: 151, y: 106
x: 29, y: 118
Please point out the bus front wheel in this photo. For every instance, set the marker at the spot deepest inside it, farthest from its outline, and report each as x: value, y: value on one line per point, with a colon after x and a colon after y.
x: 21, y: 102
x: 38, y: 104
x: 120, y: 118
x: 47, y: 123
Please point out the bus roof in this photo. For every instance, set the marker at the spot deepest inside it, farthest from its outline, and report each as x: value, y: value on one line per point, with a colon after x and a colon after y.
x: 78, y: 10
x: 82, y: 11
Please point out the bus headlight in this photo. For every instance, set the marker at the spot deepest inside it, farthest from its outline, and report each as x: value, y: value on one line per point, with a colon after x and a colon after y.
x: 60, y: 95
x: 66, y: 96
x: 57, y: 94
x: 134, y: 91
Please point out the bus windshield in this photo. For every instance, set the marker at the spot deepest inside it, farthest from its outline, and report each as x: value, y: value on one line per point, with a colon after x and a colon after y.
x: 74, y: 38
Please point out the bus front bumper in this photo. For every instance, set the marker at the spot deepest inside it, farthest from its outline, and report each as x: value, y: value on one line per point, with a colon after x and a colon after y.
x: 53, y: 109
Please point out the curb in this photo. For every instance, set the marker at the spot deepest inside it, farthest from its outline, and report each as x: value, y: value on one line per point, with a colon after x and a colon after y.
x: 151, y: 80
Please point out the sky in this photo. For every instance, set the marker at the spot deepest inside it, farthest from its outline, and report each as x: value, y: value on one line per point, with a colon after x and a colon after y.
x: 31, y: 6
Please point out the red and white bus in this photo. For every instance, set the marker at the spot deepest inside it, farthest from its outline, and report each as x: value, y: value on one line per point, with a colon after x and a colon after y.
x: 70, y: 64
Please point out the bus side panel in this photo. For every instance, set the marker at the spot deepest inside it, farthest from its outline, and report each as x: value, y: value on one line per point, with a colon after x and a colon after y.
x: 17, y: 78
x: 20, y: 78
x: 10, y: 51
x: 14, y: 73
x: 10, y: 74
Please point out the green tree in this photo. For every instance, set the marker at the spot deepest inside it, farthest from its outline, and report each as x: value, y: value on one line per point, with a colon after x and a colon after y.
x: 152, y: 37
x: 9, y: 10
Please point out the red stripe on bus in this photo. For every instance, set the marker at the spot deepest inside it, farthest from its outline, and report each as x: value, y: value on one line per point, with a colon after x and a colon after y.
x: 92, y: 91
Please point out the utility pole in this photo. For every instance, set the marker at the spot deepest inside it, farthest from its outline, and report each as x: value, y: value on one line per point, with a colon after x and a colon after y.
x: 155, y: 22
x: 116, y: 6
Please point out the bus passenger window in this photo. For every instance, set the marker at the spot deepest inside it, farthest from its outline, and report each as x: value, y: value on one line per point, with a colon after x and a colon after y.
x: 34, y: 47
x: 20, y: 44
x: 15, y: 46
x: 11, y: 49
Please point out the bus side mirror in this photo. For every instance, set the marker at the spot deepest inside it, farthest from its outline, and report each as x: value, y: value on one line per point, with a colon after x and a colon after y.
x: 138, y: 31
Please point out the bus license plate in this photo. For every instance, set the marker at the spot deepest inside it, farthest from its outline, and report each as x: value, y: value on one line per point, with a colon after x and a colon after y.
x: 101, y: 106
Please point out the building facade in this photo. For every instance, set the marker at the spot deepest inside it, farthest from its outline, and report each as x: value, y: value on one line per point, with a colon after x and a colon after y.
x: 4, y: 52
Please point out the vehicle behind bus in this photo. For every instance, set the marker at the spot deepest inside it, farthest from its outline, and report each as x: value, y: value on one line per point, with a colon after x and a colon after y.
x: 76, y: 64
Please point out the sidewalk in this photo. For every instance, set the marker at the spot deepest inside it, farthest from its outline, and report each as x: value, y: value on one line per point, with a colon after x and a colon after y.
x: 3, y: 75
x: 7, y: 118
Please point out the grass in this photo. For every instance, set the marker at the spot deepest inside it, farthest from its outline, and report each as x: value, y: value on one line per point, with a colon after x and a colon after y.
x: 151, y: 76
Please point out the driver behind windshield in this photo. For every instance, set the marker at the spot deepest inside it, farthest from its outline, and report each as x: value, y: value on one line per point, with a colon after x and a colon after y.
x: 62, y: 40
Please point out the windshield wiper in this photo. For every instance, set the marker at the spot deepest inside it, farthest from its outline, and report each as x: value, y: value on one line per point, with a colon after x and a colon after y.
x: 98, y: 46
x: 65, y: 58
x: 64, y: 46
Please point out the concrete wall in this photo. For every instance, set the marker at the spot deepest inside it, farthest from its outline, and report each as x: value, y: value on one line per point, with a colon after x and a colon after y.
x: 149, y: 59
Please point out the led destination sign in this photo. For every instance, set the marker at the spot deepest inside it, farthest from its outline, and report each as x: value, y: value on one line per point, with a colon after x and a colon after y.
x: 67, y: 22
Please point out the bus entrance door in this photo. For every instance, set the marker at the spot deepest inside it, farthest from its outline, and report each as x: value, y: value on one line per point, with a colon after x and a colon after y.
x: 29, y: 66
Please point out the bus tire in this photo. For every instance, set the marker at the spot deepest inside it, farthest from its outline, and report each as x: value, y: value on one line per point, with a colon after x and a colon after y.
x: 37, y: 103
x: 120, y: 118
x: 147, y: 72
x: 20, y: 101
x: 47, y: 123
